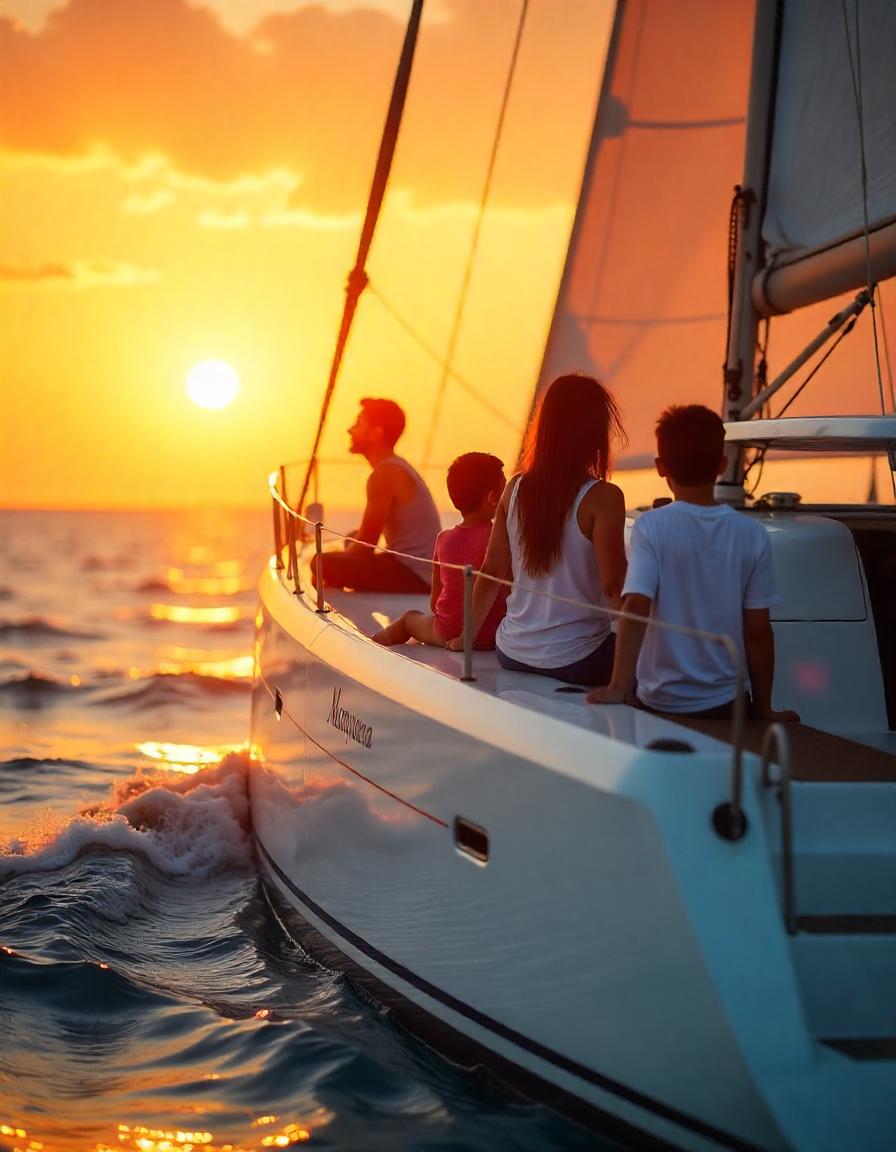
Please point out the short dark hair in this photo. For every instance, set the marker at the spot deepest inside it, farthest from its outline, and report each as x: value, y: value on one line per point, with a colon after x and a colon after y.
x: 385, y: 414
x: 472, y: 477
x: 690, y: 442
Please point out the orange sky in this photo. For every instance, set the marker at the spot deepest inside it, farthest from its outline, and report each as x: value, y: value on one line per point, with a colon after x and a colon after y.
x: 185, y: 181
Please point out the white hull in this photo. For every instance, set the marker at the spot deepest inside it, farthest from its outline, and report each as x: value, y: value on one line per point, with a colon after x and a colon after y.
x: 613, y: 946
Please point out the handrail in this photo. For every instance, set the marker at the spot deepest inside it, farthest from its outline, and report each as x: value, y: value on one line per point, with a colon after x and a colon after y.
x: 776, y: 734
x: 728, y: 818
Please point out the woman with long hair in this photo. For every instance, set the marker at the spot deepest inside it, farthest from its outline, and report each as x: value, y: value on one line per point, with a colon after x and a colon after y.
x: 558, y: 534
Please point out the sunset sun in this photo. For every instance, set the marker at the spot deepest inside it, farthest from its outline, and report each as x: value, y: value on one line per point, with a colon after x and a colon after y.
x: 212, y: 384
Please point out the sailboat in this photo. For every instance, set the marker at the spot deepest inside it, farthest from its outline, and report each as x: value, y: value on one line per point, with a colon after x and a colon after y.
x: 684, y: 935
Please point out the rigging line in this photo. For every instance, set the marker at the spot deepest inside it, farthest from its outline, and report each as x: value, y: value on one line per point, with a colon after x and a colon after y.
x: 887, y: 361
x: 439, y: 359
x: 474, y: 243
x: 846, y: 331
x: 357, y: 278
x: 855, y: 72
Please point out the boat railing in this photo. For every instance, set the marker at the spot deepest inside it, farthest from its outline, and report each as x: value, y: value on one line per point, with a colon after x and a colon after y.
x: 293, y: 532
x: 777, y: 740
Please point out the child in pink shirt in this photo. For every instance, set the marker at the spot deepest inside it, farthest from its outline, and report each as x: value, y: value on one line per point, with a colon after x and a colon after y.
x: 475, y: 483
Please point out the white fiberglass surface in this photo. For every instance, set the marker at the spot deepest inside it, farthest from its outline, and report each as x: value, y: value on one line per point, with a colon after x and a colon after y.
x: 365, y: 613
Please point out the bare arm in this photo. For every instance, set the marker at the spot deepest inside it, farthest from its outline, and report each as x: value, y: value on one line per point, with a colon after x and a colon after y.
x: 380, y: 496
x: 629, y: 639
x: 436, y: 586
x: 759, y: 646
x: 608, y: 540
x: 496, y: 563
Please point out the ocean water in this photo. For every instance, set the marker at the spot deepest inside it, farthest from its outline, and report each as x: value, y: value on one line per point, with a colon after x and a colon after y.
x: 148, y: 999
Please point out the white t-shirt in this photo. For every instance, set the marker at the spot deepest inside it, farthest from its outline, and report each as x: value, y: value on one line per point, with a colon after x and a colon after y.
x: 701, y: 566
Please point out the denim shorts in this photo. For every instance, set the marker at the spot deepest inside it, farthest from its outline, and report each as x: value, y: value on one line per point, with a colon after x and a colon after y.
x: 592, y: 671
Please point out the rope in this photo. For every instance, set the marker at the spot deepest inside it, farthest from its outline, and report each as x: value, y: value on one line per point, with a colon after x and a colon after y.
x: 439, y: 359
x: 733, y: 217
x: 758, y: 460
x: 855, y: 73
x: 600, y: 609
x: 846, y: 331
x: 474, y: 244
x: 883, y: 332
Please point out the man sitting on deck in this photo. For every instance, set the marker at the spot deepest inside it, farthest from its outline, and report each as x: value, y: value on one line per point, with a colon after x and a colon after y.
x: 698, y: 564
x: 399, y: 508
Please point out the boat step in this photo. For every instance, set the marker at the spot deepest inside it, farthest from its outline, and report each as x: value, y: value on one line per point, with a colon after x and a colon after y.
x: 866, y: 1048
x: 846, y: 983
x: 848, y: 925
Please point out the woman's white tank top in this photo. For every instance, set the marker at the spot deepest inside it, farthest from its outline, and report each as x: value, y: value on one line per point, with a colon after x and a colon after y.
x: 540, y: 631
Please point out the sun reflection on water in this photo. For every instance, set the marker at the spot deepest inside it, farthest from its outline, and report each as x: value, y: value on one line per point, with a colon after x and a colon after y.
x: 146, y: 1139
x: 186, y: 758
x: 180, y: 660
x: 188, y: 614
x: 221, y: 585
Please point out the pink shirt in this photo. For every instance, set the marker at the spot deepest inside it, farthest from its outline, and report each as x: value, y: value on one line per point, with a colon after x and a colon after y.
x: 464, y: 544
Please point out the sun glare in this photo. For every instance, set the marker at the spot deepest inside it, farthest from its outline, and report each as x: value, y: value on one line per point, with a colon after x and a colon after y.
x: 212, y: 384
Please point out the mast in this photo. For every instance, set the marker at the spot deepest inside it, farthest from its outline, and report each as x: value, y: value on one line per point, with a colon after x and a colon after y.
x: 357, y: 278
x: 750, y: 205
x: 817, y: 214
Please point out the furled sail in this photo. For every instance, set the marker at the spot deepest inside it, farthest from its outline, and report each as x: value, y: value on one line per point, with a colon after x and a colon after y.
x: 837, y: 59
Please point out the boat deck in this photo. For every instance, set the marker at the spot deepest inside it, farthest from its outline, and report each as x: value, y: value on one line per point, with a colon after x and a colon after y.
x: 816, y: 756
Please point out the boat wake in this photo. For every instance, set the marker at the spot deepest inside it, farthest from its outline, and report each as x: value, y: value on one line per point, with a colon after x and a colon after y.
x: 192, y: 826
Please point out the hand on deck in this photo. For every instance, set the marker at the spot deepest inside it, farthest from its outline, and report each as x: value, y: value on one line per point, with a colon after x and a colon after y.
x: 455, y: 645
x: 607, y: 695
x: 781, y: 716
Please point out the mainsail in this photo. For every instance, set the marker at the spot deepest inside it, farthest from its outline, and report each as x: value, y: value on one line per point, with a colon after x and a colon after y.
x: 643, y: 298
x: 642, y: 303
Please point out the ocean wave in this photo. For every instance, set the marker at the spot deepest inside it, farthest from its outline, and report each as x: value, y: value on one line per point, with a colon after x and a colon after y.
x: 39, y: 627
x: 94, y: 563
x: 77, y: 987
x: 192, y: 826
x: 153, y: 584
x: 169, y: 688
x: 32, y: 688
x: 54, y: 764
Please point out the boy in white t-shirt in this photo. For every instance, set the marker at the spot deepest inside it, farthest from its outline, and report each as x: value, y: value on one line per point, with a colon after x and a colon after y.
x: 699, y: 564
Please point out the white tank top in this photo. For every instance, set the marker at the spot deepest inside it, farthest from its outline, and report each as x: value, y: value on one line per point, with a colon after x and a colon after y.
x: 542, y: 632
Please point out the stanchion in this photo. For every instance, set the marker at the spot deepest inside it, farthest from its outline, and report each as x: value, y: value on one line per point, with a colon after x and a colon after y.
x: 468, y: 625
x: 278, y: 534
x: 293, y: 557
x: 318, y: 549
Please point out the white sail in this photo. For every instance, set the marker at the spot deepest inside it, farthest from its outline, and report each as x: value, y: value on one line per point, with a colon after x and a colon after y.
x: 643, y: 299
x: 834, y: 55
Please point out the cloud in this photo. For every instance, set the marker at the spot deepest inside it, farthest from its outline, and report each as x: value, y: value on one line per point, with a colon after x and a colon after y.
x: 139, y: 204
x: 304, y: 94
x: 319, y: 222
x: 226, y: 221
x: 76, y: 274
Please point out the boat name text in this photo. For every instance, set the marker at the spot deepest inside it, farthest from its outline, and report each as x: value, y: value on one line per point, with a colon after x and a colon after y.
x: 349, y: 724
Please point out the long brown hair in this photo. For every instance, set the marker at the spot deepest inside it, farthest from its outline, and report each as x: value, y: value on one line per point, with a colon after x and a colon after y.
x: 568, y: 440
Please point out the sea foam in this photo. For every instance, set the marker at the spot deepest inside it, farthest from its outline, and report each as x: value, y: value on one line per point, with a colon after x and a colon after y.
x: 190, y: 826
